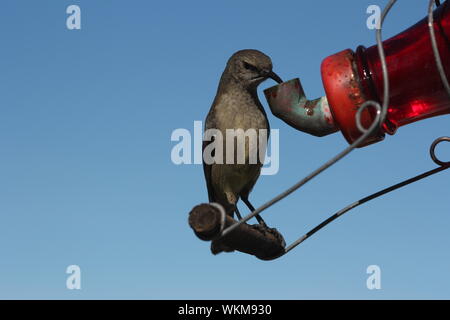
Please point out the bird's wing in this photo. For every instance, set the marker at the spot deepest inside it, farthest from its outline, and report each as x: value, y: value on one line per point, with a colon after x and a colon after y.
x: 207, y: 168
x: 207, y: 171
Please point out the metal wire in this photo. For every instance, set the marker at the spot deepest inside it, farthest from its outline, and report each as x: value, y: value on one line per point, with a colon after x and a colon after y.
x: 437, y: 56
x: 443, y: 166
x: 433, y: 154
x: 381, y: 111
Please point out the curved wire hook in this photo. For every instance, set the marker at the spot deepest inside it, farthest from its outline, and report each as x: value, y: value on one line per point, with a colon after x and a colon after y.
x: 433, y: 154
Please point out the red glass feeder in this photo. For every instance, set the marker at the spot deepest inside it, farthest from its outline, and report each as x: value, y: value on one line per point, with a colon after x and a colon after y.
x: 350, y: 78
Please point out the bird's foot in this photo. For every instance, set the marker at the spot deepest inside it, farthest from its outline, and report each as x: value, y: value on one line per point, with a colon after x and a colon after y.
x: 264, y: 229
x: 217, y: 247
x: 261, y: 221
x: 263, y: 225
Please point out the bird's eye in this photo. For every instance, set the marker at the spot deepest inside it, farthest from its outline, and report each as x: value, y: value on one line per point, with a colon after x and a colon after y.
x: 248, y: 66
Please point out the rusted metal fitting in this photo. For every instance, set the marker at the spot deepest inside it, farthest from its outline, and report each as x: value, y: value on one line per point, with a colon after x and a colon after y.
x: 288, y: 102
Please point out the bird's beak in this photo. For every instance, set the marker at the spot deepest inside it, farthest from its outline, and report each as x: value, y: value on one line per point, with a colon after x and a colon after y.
x: 274, y: 76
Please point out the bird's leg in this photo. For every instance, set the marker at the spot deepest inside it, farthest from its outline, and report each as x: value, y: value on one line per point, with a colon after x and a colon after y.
x: 258, y: 217
x: 238, y: 214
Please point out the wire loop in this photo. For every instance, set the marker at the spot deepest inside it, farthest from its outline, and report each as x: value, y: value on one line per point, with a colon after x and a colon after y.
x: 433, y: 153
x: 363, y: 107
x: 222, y: 215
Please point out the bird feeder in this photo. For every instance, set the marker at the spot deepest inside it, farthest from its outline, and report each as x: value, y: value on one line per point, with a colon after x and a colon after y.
x: 403, y: 79
x: 352, y: 77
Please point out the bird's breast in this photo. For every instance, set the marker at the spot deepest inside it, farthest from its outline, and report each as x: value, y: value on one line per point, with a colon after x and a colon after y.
x: 244, y: 127
x: 239, y: 112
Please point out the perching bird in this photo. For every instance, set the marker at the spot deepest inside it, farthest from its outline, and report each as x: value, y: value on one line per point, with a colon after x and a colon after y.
x: 236, y: 106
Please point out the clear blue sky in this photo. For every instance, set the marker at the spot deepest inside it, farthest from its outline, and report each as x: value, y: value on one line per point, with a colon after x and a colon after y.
x: 86, y: 176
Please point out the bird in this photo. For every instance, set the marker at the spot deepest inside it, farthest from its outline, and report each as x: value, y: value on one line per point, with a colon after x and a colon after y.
x: 236, y: 106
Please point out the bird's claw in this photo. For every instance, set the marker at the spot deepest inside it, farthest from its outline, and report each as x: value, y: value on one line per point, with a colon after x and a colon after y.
x: 263, y: 228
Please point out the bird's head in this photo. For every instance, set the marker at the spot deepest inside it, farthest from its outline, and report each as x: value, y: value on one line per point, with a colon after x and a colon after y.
x: 251, y: 67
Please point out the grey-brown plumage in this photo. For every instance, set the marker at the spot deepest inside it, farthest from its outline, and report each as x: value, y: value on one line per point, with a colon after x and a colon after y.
x: 236, y: 106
